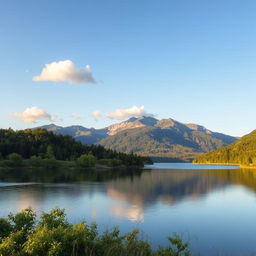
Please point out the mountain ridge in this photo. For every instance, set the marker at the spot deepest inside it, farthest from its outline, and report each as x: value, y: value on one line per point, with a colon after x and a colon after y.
x: 148, y: 136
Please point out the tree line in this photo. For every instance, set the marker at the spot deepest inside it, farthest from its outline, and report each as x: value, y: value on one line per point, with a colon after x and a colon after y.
x: 39, y: 143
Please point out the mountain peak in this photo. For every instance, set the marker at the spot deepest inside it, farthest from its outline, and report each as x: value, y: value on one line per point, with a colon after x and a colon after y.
x: 199, y: 128
x: 50, y: 127
x: 131, y: 119
x: 166, y: 123
x: 146, y: 120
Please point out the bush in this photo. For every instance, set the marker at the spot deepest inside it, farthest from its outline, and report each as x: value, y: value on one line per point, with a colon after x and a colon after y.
x: 5, y: 228
x: 50, y: 163
x: 14, y: 159
x: 35, y: 161
x: 86, y: 160
x: 54, y: 236
x: 111, y: 162
x: 115, y: 162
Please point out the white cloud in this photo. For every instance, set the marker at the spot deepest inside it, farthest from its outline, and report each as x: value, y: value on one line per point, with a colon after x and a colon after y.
x: 96, y: 114
x: 75, y: 116
x: 65, y: 71
x: 121, y: 114
x: 32, y: 115
x: 56, y: 117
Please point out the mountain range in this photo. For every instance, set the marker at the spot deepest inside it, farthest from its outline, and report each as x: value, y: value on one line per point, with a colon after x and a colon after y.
x: 165, y: 139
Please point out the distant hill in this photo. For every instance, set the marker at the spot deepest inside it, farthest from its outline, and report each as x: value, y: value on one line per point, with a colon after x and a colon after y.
x: 242, y: 152
x: 79, y: 133
x: 164, y: 139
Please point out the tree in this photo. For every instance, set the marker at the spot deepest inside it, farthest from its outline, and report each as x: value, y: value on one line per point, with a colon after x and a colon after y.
x: 86, y: 160
x: 5, y: 228
x: 15, y: 159
x: 46, y: 144
x: 49, y: 152
x: 50, y: 163
x: 35, y: 161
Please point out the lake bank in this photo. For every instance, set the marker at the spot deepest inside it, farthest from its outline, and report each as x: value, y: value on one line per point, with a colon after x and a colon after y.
x: 189, y: 166
x: 228, y: 164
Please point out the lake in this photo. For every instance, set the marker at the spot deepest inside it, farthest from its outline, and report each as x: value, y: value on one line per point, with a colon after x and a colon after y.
x: 211, y: 207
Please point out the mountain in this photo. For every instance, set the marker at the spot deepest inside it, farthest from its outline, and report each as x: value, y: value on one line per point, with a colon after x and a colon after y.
x: 165, y: 139
x: 79, y: 133
x: 242, y: 152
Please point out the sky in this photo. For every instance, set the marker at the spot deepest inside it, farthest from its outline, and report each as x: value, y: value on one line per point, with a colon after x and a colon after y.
x: 97, y: 62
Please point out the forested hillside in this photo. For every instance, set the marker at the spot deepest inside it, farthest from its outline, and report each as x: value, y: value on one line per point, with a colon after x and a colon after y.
x: 45, y: 144
x: 242, y: 152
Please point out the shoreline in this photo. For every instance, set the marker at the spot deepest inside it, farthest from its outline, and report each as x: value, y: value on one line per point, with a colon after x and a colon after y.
x: 72, y: 168
x: 230, y: 164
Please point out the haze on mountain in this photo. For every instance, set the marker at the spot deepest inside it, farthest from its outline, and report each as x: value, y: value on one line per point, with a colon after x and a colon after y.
x: 165, y: 139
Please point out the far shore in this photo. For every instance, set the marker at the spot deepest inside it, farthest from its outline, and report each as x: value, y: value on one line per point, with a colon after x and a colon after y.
x: 230, y: 164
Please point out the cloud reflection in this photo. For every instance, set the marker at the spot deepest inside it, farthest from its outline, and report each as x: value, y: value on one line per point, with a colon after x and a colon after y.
x: 130, y: 212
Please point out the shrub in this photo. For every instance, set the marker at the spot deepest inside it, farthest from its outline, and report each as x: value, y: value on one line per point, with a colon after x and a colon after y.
x: 5, y: 228
x: 115, y: 162
x: 35, y: 161
x: 54, y: 236
x: 15, y: 159
x: 86, y: 160
x: 50, y: 163
x: 111, y: 162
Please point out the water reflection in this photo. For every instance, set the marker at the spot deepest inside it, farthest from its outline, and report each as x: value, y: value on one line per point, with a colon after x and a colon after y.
x: 137, y: 187
x: 205, y: 203
x: 173, y: 186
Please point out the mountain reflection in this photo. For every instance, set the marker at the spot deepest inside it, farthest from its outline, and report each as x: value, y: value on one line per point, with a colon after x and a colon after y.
x: 169, y: 186
x: 132, y: 190
x: 173, y: 186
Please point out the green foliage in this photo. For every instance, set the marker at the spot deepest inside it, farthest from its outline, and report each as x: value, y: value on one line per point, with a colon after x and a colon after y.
x: 16, y: 230
x: 56, y: 218
x: 177, y: 248
x: 241, y: 152
x: 111, y: 162
x: 15, y: 159
x: 23, y: 220
x: 50, y: 163
x: 5, y: 228
x: 54, y: 236
x: 49, y: 152
x: 42, y: 143
x: 86, y: 160
x: 35, y: 161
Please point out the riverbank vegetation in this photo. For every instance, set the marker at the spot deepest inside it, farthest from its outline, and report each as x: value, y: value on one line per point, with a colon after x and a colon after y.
x: 242, y: 152
x: 41, y: 148
x: 53, y: 235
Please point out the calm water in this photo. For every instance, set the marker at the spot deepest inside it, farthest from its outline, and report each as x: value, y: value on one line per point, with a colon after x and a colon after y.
x: 214, y: 209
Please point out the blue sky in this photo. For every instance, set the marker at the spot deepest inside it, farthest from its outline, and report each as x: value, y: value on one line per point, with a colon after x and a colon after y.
x: 193, y: 61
